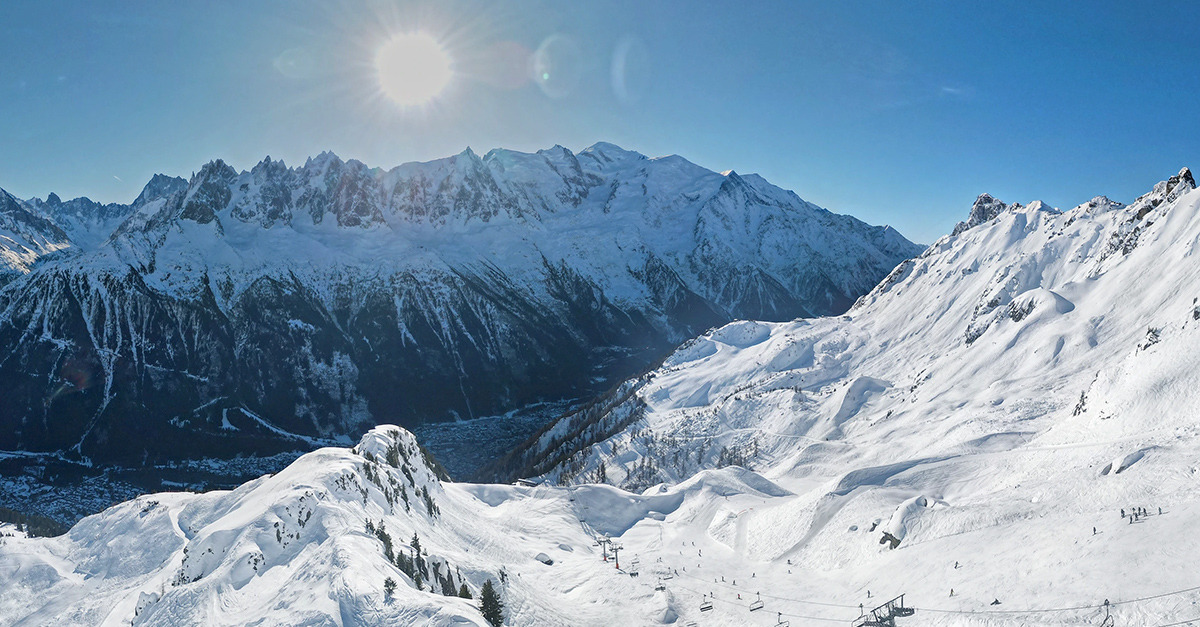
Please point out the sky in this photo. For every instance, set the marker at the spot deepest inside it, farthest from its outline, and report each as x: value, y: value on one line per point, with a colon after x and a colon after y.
x: 897, y: 113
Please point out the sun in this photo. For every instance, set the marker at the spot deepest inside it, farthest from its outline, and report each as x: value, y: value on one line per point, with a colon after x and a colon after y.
x: 413, y: 69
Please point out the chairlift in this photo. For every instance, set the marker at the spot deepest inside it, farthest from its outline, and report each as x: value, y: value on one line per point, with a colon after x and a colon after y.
x: 660, y: 587
x: 758, y: 604
x: 897, y: 608
x: 780, y: 622
x: 706, y: 605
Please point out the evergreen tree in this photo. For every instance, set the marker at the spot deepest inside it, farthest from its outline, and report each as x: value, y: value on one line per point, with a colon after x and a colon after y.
x: 490, y: 604
x: 389, y: 586
x: 464, y: 592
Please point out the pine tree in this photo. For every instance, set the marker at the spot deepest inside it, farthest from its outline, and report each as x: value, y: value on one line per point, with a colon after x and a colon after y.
x: 490, y: 605
x: 464, y: 592
x: 389, y: 586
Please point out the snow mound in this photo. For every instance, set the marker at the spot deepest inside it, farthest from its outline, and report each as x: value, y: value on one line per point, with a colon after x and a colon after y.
x: 1125, y: 462
x: 729, y: 481
x: 612, y: 512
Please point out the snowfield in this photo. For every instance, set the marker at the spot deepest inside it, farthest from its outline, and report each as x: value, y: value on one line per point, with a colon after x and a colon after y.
x: 975, y: 434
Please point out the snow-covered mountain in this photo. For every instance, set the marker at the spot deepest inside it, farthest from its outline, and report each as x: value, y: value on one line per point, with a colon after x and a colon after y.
x: 316, y: 544
x: 1021, y: 314
x: 25, y: 236
x: 976, y: 433
x: 251, y: 312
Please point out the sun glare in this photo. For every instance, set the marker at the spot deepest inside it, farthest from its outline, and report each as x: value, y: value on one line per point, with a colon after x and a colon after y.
x: 413, y: 69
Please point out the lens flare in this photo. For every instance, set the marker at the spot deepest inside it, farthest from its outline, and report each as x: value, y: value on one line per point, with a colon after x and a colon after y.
x: 413, y: 69
x: 556, y: 66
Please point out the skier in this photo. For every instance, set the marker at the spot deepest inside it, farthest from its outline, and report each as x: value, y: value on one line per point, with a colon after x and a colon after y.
x: 1160, y: 511
x: 956, y: 565
x: 1093, y: 531
x: 1122, y: 512
x: 951, y: 591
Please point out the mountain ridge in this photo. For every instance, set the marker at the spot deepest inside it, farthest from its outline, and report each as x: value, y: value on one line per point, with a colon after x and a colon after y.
x: 254, y: 311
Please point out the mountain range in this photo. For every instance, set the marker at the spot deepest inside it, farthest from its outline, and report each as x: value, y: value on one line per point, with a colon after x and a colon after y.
x: 258, y: 312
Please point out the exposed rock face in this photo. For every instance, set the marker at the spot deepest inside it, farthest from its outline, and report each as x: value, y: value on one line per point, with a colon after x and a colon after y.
x: 985, y: 209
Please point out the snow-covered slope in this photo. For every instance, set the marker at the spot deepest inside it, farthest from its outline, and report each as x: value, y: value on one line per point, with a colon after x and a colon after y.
x: 250, y: 312
x: 315, y: 544
x: 1019, y: 315
x: 1023, y: 381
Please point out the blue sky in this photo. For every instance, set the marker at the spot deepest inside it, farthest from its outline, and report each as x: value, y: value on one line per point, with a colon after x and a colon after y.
x: 897, y: 114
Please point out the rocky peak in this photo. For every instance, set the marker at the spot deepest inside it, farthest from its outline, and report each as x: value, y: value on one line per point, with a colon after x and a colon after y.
x: 1164, y: 192
x: 23, y: 230
x: 268, y: 169
x: 985, y: 208
x: 160, y: 186
x: 209, y: 192
x: 1184, y: 177
x: 1100, y: 204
